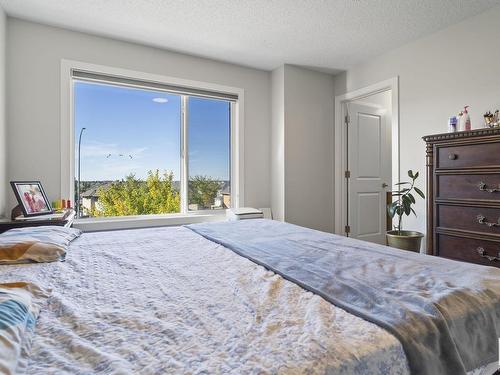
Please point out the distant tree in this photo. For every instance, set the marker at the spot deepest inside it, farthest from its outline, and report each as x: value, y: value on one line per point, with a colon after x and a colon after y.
x: 132, y: 196
x: 203, y: 191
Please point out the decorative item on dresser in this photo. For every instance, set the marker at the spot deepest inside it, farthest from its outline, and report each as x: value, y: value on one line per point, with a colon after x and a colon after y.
x: 463, y: 191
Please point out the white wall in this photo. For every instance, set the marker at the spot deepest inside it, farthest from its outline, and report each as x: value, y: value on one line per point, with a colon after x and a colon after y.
x: 3, y: 135
x: 309, y: 120
x: 34, y: 54
x: 278, y: 143
x: 302, y: 147
x: 438, y: 75
x: 380, y: 99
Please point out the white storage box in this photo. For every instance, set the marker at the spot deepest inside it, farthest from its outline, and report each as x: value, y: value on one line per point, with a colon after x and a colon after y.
x: 244, y: 213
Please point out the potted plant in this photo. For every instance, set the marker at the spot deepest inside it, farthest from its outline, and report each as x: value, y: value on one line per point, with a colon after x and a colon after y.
x: 404, y: 239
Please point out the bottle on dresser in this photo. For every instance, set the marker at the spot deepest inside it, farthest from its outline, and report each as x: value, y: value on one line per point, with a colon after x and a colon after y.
x: 464, y: 120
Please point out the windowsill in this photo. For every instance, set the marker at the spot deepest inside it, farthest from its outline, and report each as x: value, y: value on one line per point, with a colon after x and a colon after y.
x: 146, y: 221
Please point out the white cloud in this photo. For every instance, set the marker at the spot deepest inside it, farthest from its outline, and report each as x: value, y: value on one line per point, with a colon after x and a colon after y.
x: 160, y: 100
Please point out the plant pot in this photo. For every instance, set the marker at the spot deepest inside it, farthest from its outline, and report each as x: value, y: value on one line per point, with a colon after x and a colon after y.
x: 405, y: 239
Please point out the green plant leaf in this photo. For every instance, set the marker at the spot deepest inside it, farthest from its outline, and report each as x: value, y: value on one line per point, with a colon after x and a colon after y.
x: 403, y: 183
x: 415, y: 176
x: 419, y: 192
x: 410, y: 173
x: 398, y: 193
x: 392, y: 209
x: 407, y: 208
x: 414, y: 213
x: 406, y: 201
x: 412, y: 198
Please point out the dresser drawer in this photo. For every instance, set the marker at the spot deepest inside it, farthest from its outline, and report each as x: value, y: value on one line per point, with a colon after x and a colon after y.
x: 468, y: 249
x: 469, y: 156
x: 475, y: 219
x: 468, y: 186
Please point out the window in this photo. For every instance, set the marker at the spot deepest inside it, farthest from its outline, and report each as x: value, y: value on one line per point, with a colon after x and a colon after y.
x: 145, y: 148
x: 209, y: 184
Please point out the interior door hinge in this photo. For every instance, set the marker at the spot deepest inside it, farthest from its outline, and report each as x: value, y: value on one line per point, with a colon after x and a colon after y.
x: 347, y: 229
x: 346, y: 119
x: 347, y: 174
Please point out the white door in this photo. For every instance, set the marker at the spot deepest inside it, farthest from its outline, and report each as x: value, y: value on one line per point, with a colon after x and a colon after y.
x: 369, y: 167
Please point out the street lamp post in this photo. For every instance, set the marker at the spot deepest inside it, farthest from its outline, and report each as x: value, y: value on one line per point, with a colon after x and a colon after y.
x: 78, y: 204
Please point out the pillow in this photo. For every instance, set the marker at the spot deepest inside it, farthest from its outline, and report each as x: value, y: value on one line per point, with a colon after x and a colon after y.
x: 20, y: 305
x: 36, y: 244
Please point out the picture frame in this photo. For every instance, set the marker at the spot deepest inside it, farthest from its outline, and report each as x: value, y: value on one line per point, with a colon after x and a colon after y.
x: 31, y: 198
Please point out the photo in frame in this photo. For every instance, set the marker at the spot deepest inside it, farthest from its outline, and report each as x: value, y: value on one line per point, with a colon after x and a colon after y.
x: 31, y: 198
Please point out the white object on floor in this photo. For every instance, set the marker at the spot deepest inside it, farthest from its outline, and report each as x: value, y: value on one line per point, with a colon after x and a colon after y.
x: 244, y: 213
x: 267, y: 213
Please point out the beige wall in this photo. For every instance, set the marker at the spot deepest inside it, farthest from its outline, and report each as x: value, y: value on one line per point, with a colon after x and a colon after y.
x: 437, y: 76
x: 302, y: 147
x: 33, y: 89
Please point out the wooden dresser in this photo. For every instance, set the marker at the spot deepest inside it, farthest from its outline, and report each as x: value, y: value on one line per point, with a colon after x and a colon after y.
x: 463, y: 196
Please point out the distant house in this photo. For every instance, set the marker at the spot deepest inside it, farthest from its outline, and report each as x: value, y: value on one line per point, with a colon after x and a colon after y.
x: 90, y: 198
x: 223, y: 198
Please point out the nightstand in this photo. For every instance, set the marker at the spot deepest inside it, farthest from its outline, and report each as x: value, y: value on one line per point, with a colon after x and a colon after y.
x: 65, y: 221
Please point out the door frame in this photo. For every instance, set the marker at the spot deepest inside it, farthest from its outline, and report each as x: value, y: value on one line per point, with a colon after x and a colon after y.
x: 340, y: 165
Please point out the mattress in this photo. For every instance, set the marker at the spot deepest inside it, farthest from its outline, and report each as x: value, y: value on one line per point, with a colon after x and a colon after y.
x: 166, y: 300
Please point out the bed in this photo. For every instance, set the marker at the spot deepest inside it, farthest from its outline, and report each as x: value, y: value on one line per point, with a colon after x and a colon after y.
x: 169, y: 300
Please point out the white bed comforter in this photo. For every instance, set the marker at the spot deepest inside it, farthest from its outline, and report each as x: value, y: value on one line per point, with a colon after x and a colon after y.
x: 168, y: 301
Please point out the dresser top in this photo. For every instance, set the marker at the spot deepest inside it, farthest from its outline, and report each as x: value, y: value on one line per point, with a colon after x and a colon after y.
x: 464, y: 134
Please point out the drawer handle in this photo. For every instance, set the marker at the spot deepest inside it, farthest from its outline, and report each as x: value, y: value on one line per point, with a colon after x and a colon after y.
x: 482, y: 186
x: 482, y: 220
x: 482, y: 254
x: 452, y: 156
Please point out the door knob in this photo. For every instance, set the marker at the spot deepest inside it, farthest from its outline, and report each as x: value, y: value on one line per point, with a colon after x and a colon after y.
x: 384, y: 185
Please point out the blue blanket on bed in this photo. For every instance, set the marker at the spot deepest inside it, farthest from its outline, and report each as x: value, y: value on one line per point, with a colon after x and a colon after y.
x: 446, y: 314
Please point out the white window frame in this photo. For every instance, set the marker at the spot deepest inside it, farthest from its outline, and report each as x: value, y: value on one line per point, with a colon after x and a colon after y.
x: 67, y: 133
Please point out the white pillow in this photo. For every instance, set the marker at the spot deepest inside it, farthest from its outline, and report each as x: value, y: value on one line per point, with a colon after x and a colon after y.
x: 36, y: 244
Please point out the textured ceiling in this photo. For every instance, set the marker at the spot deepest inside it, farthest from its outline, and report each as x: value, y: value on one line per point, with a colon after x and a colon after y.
x: 322, y: 34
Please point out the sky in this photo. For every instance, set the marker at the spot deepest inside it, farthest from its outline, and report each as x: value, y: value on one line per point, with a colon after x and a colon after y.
x: 132, y: 130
